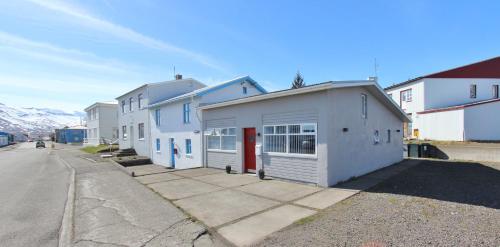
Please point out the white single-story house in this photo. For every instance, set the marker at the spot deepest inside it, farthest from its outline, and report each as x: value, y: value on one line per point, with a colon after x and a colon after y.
x: 176, y: 138
x: 133, y: 117
x: 320, y: 134
x: 102, y: 123
x: 449, y: 105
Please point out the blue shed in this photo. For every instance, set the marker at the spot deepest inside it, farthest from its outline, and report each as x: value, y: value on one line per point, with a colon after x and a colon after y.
x: 70, y: 135
x: 5, y: 139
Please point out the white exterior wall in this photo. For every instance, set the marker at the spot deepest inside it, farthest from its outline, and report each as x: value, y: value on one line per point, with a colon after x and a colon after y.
x: 151, y: 93
x: 4, y: 140
x: 173, y: 126
x: 417, y: 104
x: 441, y: 93
x: 444, y: 125
x: 354, y: 153
x: 482, y: 122
x: 339, y: 155
x: 132, y: 119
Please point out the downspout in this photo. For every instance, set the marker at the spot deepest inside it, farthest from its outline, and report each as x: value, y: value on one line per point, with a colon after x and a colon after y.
x: 149, y: 144
x: 199, y: 116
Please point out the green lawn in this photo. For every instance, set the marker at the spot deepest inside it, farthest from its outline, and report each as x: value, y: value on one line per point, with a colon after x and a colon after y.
x: 99, y: 149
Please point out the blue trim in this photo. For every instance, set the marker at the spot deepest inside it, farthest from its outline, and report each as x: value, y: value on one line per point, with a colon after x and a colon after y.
x: 235, y: 81
x: 172, y: 147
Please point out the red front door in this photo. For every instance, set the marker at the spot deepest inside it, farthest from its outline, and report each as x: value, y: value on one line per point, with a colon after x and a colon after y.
x: 249, y: 147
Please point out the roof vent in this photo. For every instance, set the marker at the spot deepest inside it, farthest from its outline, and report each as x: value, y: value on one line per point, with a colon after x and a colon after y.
x: 178, y: 77
x: 373, y: 78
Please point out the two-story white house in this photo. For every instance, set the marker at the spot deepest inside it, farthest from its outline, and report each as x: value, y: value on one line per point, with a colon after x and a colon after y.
x: 176, y: 133
x: 133, y: 115
x: 459, y: 104
x: 102, y: 123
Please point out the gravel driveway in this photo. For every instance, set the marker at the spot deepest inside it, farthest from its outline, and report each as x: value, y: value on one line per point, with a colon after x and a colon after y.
x: 435, y: 203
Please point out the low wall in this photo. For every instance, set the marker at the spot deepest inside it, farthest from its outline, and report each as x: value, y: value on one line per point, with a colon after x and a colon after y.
x: 474, y: 152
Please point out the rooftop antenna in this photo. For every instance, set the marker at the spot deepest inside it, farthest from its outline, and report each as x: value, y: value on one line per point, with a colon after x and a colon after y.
x: 375, y: 67
x: 174, y: 71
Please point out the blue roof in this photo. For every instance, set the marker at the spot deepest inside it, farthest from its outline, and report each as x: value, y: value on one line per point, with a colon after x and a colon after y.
x: 209, y: 89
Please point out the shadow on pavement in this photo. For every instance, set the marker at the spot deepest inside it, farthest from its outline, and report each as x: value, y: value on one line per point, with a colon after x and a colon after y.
x: 460, y: 182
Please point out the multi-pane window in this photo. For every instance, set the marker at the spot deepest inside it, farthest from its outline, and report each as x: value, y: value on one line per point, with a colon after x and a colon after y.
x: 124, y: 132
x: 186, y: 112
x: 406, y: 95
x: 188, y: 146
x: 495, y: 91
x: 139, y: 101
x: 141, y: 131
x: 291, y: 138
x: 245, y: 91
x: 157, y: 117
x: 130, y: 107
x: 364, y: 105
x: 473, y: 91
x: 157, y: 144
x: 123, y: 106
x: 221, y: 139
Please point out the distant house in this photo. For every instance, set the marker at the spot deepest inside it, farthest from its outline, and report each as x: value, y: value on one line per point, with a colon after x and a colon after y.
x: 133, y: 114
x: 71, y: 135
x: 6, y: 139
x: 102, y: 123
x: 176, y: 137
x: 459, y: 104
x: 320, y: 134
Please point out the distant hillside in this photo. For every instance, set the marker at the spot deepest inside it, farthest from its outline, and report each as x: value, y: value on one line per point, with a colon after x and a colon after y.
x: 35, y: 121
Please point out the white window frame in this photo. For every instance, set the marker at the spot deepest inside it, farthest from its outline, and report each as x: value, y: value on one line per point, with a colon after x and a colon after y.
x: 139, y: 131
x: 158, y: 117
x: 287, y: 148
x: 209, y: 131
x: 190, y: 149
x: 158, y: 145
x: 473, y: 91
x: 406, y: 95
x: 186, y: 111
x: 124, y: 132
x: 139, y: 101
x: 130, y: 104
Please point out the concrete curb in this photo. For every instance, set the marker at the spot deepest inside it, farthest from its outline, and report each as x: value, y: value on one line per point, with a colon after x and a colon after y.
x: 122, y: 168
x: 66, y: 230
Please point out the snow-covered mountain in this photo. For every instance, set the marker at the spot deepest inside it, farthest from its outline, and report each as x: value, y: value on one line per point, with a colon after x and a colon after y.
x: 35, y: 121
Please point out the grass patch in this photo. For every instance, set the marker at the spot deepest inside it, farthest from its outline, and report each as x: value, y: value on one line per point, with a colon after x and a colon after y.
x: 306, y: 219
x: 99, y: 149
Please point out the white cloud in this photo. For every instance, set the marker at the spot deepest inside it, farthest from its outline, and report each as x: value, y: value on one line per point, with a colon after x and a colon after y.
x: 123, y: 32
x: 48, y: 52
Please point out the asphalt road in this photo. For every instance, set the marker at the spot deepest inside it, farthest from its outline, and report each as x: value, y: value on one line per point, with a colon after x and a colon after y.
x: 33, y: 192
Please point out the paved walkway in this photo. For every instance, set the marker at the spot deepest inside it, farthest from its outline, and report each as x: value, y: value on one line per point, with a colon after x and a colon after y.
x: 111, y: 208
x: 242, y: 208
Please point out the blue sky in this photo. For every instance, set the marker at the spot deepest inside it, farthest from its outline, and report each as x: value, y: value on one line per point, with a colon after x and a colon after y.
x: 69, y: 54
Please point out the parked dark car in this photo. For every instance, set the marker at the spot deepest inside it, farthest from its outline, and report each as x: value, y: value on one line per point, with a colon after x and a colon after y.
x: 40, y: 144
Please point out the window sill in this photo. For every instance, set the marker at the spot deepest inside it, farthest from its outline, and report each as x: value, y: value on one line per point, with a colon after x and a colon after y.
x: 189, y: 156
x: 302, y: 156
x: 158, y: 152
x: 140, y: 139
x: 221, y: 151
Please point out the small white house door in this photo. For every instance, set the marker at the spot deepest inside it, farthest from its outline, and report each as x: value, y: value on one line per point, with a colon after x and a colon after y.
x: 131, y: 137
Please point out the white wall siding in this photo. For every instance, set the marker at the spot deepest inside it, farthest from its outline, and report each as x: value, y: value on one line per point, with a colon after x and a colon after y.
x: 293, y: 168
x: 482, y: 122
x: 222, y: 159
x: 441, y: 93
x: 445, y: 125
x: 354, y: 152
